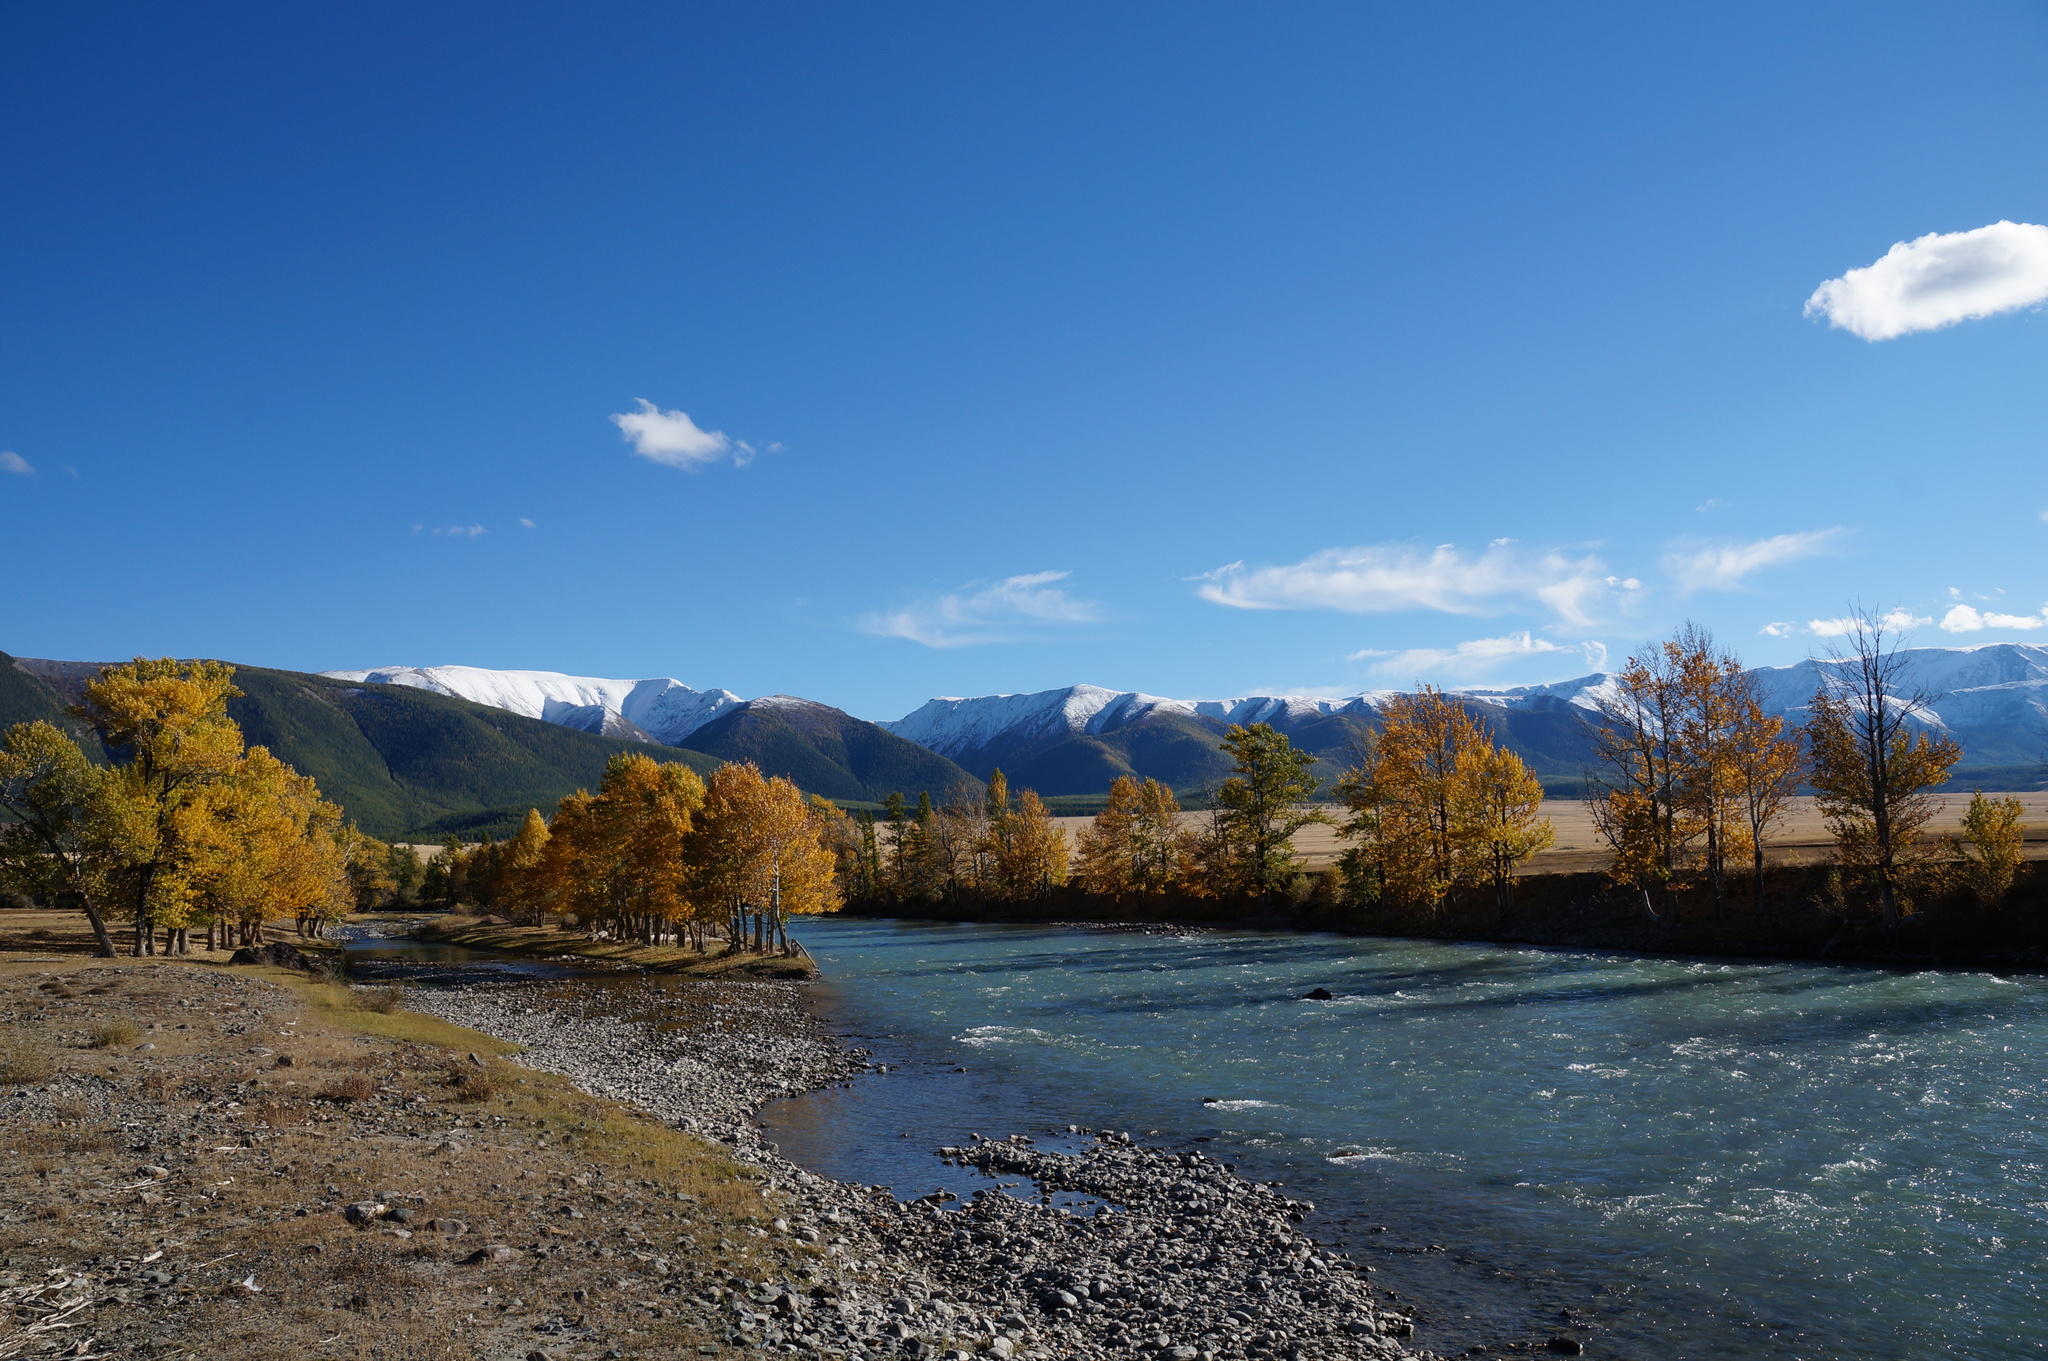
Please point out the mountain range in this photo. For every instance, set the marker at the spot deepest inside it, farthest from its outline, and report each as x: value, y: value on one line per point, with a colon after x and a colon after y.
x: 412, y: 762
x: 421, y: 752
x: 1074, y: 741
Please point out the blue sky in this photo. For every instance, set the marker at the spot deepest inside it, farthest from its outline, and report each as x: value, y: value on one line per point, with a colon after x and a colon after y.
x: 1199, y: 349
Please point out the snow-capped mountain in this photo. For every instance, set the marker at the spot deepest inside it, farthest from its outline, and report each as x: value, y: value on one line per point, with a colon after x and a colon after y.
x: 1992, y: 698
x: 661, y: 710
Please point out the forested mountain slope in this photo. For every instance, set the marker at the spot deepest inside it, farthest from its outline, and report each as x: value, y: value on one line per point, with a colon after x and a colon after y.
x: 404, y: 762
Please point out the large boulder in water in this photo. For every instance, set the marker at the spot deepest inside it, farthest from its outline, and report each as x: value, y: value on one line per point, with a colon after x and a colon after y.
x: 277, y: 954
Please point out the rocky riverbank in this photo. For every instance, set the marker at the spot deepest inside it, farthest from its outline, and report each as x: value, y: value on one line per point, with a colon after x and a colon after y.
x: 1181, y: 1260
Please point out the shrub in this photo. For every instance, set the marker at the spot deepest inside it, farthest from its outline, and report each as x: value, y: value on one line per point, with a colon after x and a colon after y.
x: 21, y: 1062
x: 385, y: 1000
x: 109, y: 1034
x: 472, y: 1084
x: 350, y: 1087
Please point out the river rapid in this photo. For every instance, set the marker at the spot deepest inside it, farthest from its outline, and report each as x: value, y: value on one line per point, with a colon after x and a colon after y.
x: 1689, y: 1158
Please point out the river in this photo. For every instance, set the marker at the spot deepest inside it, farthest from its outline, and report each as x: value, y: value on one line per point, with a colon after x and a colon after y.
x: 1703, y: 1159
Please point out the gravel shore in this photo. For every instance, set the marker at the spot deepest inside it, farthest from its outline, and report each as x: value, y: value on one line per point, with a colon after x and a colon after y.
x: 1184, y: 1261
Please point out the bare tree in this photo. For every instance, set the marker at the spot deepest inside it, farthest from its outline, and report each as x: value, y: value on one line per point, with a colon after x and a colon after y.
x: 1873, y: 771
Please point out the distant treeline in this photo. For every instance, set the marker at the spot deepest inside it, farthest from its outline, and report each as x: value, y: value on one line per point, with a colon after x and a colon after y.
x: 1692, y: 777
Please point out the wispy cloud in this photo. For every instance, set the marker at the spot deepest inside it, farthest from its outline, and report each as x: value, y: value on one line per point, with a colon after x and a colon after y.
x: 525, y: 523
x: 672, y: 438
x: 1381, y: 579
x: 977, y: 613
x: 1969, y: 619
x: 454, y: 531
x: 1725, y: 566
x: 1782, y: 629
x: 1475, y: 658
x: 11, y: 462
x: 1938, y: 280
x: 1894, y: 621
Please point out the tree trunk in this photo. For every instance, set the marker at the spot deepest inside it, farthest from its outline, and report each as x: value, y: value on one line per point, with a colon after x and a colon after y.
x: 103, y: 943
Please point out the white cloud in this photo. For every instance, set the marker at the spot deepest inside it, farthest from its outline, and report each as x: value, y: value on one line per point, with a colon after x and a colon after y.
x: 1939, y: 280
x: 1896, y: 621
x: 1474, y: 658
x: 11, y: 462
x: 1967, y: 619
x: 458, y: 531
x: 989, y: 614
x: 1723, y: 566
x: 672, y: 438
x: 525, y: 523
x: 1779, y: 630
x: 1384, y: 578
x: 1711, y: 503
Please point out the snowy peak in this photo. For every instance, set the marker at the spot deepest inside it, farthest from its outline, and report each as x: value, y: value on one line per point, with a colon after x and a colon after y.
x: 661, y: 710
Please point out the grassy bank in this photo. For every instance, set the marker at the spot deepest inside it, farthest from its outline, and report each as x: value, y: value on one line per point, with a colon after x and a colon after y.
x: 552, y: 942
x: 179, y: 1141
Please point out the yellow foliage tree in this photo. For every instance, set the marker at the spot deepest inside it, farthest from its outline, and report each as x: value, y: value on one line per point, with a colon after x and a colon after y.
x: 1027, y: 851
x: 762, y: 856
x: 1135, y: 847
x: 257, y: 846
x: 1434, y: 804
x: 1992, y: 848
x: 522, y: 890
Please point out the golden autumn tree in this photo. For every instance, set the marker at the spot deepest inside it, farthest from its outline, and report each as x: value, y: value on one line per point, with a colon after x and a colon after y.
x: 168, y: 725
x: 1435, y: 804
x: 762, y: 856
x: 1500, y: 797
x: 522, y: 891
x: 1708, y: 711
x: 1108, y: 863
x: 1873, y: 773
x: 256, y: 846
x: 372, y: 868
x: 1028, y: 851
x: 1768, y: 762
x: 1992, y: 849
x: 1644, y: 813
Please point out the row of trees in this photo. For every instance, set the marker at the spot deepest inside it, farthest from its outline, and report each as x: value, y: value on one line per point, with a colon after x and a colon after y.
x: 1693, y: 775
x: 995, y: 847
x: 660, y: 855
x: 188, y: 830
x: 1698, y: 775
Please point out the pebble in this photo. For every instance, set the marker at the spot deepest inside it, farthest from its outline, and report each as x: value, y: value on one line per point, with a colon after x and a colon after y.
x: 1192, y: 1263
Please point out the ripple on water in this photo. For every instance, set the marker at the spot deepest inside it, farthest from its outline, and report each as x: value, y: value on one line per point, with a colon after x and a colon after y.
x: 1761, y: 1160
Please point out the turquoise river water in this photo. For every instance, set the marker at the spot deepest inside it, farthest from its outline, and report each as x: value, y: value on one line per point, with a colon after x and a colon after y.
x: 1688, y: 1159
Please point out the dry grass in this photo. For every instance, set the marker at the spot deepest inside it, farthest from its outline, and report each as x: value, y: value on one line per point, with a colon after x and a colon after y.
x: 112, y: 1035
x: 250, y: 1145
x: 349, y: 1087
x: 383, y: 1001
x: 21, y: 1062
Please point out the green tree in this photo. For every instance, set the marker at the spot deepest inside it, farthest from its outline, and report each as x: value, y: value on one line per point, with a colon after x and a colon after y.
x: 50, y: 848
x: 1262, y: 806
